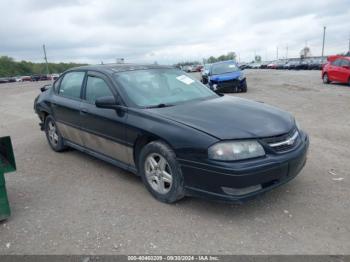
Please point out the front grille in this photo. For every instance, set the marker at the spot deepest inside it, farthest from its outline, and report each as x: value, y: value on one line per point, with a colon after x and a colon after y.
x: 229, y: 84
x: 284, y: 142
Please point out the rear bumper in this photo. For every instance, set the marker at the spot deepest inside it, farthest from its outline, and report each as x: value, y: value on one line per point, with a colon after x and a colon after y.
x: 245, y: 180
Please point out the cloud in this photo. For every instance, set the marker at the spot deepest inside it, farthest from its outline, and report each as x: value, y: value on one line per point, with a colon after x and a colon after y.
x: 169, y: 31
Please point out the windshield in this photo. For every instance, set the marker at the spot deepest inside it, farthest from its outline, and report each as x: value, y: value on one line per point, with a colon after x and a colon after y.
x: 152, y: 87
x: 223, y: 68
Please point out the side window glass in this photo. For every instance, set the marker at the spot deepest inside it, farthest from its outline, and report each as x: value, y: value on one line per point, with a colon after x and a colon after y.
x: 56, y: 84
x: 336, y: 62
x: 71, y: 84
x: 345, y: 63
x: 95, y: 88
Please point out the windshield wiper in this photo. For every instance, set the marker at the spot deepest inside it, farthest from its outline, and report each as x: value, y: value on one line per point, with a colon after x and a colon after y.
x: 159, y: 105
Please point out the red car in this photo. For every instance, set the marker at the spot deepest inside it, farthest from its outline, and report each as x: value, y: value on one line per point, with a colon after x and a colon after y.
x: 337, y: 69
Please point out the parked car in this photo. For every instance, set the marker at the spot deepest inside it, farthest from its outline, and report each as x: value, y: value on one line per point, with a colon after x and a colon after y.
x: 255, y: 65
x: 317, y: 64
x: 272, y: 65
x: 53, y: 77
x: 291, y: 64
x: 18, y: 79
x: 302, y: 65
x: 243, y: 66
x: 187, y: 69
x: 35, y: 78
x: 226, y: 77
x: 174, y: 132
x: 4, y: 80
x: 337, y: 70
x: 11, y: 79
x: 26, y: 78
x: 264, y: 65
x: 197, y: 68
x: 280, y: 64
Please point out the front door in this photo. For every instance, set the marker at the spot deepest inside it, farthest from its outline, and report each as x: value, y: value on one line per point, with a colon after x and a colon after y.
x: 104, y: 129
x: 344, y: 71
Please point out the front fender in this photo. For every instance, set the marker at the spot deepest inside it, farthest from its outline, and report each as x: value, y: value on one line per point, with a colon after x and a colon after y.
x: 187, y: 142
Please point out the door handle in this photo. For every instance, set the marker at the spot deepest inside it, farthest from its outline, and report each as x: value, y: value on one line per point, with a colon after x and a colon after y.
x: 84, y: 111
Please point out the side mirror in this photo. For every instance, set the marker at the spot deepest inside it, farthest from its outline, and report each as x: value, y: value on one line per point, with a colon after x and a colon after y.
x: 106, y: 102
x: 45, y: 87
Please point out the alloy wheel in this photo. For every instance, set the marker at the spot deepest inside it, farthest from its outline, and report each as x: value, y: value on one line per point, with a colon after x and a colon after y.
x: 325, y: 79
x: 52, y: 132
x: 158, y: 173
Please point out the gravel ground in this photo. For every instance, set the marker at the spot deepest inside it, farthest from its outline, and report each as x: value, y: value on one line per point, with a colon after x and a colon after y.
x: 71, y: 203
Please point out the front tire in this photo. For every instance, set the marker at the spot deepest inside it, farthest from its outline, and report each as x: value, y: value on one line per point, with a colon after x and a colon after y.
x: 53, y: 135
x: 325, y: 79
x: 161, y: 173
x: 244, y: 88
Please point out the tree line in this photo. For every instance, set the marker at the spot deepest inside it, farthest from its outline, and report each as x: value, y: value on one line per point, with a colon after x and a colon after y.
x: 210, y: 60
x: 9, y: 67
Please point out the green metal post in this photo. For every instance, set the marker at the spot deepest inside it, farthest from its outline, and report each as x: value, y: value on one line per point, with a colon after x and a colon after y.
x: 7, y: 164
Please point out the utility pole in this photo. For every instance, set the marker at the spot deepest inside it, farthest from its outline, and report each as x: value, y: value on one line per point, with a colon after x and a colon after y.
x: 349, y: 43
x: 45, y: 57
x: 287, y: 51
x: 324, y: 37
x: 277, y: 53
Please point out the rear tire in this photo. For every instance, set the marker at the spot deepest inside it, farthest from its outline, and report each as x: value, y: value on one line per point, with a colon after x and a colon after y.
x: 325, y: 79
x: 53, y: 135
x: 161, y: 173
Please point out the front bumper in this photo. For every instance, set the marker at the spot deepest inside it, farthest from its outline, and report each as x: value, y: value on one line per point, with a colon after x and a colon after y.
x: 243, y: 180
x: 229, y: 86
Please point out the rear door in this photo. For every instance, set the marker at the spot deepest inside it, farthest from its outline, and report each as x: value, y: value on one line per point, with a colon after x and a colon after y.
x: 104, y: 130
x: 66, y: 105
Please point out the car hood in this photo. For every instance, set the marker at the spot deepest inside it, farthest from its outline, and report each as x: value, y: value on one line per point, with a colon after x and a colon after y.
x: 230, y: 118
x: 226, y: 76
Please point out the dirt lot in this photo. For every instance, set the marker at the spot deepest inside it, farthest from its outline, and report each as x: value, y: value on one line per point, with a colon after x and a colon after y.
x: 70, y: 203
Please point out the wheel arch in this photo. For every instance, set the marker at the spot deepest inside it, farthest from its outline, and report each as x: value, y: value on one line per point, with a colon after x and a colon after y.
x: 142, y: 141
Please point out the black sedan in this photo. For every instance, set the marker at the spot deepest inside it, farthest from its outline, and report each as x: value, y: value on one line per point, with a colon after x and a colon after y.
x: 174, y: 132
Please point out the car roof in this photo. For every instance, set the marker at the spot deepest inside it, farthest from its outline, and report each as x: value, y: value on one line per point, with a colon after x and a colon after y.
x: 114, y: 68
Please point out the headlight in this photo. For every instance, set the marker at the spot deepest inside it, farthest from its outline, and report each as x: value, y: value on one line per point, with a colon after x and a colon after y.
x: 236, y: 150
x: 297, y: 124
x: 215, y: 87
x: 241, y: 77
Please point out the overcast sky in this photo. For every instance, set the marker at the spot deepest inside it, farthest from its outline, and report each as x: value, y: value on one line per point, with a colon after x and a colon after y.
x: 169, y: 31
